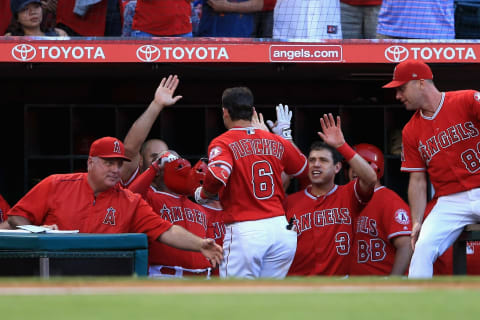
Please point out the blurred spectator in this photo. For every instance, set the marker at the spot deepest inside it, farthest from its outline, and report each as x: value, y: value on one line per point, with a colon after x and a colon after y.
x: 416, y: 19
x: 27, y: 20
x: 99, y: 19
x: 5, y: 16
x: 128, y: 13
x: 162, y: 18
x: 196, y: 15
x: 307, y: 19
x: 263, y: 26
x: 50, y: 13
x: 467, y: 19
x: 223, y: 18
x: 359, y: 18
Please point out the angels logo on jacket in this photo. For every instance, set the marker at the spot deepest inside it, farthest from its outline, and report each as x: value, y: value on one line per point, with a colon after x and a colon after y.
x: 110, y: 217
x: 214, y: 153
x: 477, y: 96
x: 401, y: 216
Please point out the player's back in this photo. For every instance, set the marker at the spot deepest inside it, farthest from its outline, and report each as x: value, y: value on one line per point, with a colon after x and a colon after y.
x: 256, y: 159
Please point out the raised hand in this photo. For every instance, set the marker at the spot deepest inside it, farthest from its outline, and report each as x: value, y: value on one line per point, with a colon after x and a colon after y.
x: 282, y: 126
x: 331, y: 132
x: 257, y: 121
x: 164, y: 94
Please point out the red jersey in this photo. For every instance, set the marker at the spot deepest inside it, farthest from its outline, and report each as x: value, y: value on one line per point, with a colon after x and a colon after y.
x: 4, y: 207
x: 91, y: 24
x: 269, y: 5
x: 446, y: 145
x: 68, y: 201
x: 180, y: 211
x: 163, y: 17
x: 5, y: 16
x: 363, y: 2
x: 385, y: 217
x: 133, y: 177
x: 255, y: 159
x: 215, y: 225
x: 324, y: 229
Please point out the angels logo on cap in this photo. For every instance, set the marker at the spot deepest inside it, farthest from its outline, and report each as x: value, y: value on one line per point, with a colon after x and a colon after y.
x: 409, y: 70
x: 108, y: 147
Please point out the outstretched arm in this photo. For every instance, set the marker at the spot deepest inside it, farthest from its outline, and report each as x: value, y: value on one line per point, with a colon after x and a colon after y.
x: 180, y: 238
x: 164, y: 96
x: 332, y: 135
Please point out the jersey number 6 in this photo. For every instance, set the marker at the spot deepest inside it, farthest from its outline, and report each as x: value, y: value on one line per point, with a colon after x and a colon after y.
x: 262, y: 180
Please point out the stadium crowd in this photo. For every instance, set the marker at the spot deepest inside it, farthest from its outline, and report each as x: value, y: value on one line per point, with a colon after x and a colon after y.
x: 280, y: 19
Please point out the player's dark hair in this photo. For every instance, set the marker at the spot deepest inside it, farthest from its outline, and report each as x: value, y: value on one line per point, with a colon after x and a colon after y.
x: 239, y: 103
x: 321, y: 145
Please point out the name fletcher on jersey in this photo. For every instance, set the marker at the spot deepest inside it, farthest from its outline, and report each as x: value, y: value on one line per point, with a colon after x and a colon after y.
x: 247, y: 147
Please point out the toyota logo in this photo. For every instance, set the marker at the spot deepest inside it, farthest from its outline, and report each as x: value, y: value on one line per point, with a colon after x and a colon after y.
x: 396, y: 53
x: 24, y: 52
x: 148, y: 53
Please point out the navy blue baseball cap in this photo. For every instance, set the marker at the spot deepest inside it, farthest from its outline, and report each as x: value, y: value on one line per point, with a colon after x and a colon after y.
x: 17, y: 5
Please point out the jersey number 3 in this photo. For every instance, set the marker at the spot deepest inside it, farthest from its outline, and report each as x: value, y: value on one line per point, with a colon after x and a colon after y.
x: 262, y: 180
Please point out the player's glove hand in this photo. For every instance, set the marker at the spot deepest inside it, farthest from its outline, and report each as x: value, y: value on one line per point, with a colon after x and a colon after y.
x: 166, y: 157
x: 282, y: 126
x: 200, y: 196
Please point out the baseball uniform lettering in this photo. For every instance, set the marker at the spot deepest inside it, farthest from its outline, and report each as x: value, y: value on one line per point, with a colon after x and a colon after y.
x: 342, y: 239
x: 177, y: 214
x: 378, y: 250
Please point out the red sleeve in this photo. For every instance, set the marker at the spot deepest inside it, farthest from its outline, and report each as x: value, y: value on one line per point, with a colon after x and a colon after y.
x: 142, y: 183
x: 4, y: 207
x: 35, y: 204
x: 220, y: 163
x: 411, y: 160
x: 362, y: 196
x: 5, y: 16
x: 268, y: 5
x: 294, y: 161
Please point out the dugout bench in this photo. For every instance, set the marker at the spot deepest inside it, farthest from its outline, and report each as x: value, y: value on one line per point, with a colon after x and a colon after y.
x: 50, y: 254
x: 471, y: 232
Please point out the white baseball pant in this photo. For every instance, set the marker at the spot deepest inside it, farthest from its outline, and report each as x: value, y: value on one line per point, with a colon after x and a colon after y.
x: 441, y: 228
x: 258, y: 249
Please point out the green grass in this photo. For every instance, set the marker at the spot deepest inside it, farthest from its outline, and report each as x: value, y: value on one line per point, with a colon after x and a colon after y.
x: 404, y: 302
x: 417, y: 305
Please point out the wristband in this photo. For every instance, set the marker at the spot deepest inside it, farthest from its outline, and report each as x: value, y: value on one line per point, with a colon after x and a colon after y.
x: 346, y: 151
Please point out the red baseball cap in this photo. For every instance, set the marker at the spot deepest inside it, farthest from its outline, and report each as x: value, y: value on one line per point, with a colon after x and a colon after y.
x: 108, y: 147
x: 409, y: 70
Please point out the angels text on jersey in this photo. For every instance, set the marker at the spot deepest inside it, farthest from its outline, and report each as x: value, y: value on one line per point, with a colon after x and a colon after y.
x: 175, y: 214
x: 322, y: 218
